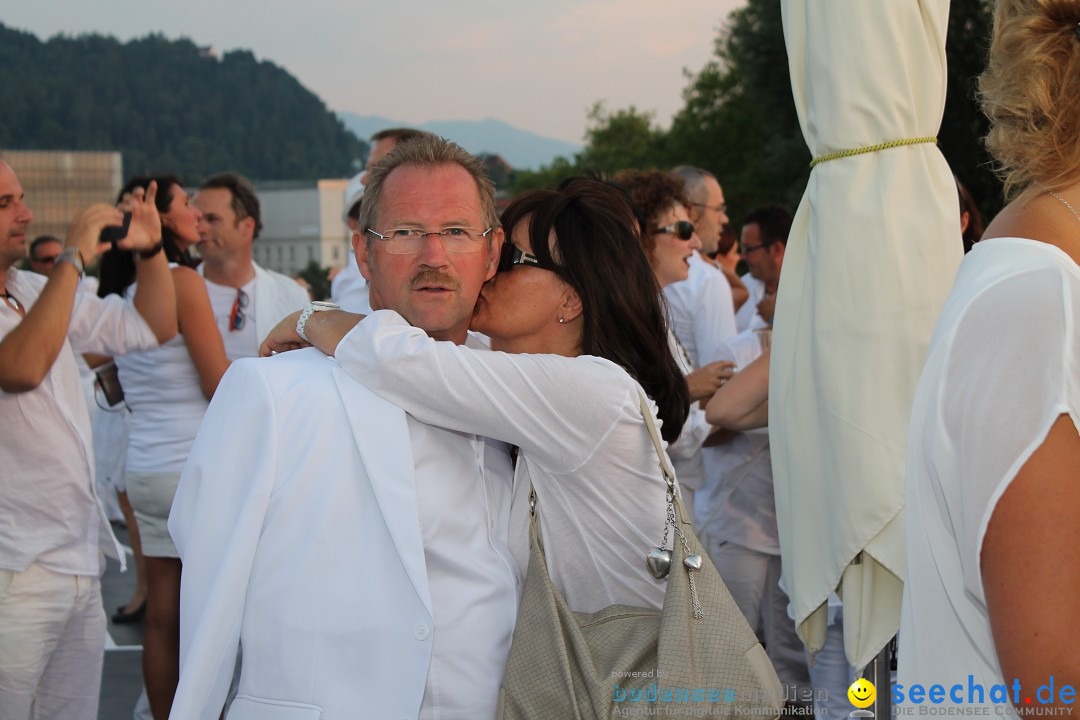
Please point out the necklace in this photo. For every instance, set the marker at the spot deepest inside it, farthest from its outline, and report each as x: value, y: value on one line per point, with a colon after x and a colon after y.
x: 1065, y: 202
x: 13, y: 302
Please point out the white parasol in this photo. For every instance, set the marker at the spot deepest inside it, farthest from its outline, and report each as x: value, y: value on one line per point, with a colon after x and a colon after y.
x: 869, y: 262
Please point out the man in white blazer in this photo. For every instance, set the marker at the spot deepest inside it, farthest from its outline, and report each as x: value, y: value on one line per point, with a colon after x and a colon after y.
x: 357, y: 556
x: 247, y: 299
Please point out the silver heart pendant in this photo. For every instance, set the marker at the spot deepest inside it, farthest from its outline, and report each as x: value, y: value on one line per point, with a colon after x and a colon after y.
x: 659, y: 562
x: 692, y: 561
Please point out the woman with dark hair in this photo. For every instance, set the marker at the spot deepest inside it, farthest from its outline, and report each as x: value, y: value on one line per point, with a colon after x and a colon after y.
x: 168, y: 389
x: 577, y: 315
x: 993, y: 460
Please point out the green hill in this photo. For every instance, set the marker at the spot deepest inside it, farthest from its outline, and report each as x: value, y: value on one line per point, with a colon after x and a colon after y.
x: 168, y: 108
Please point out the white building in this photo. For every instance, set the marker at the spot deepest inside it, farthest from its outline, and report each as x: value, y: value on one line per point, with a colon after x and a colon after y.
x: 301, y: 223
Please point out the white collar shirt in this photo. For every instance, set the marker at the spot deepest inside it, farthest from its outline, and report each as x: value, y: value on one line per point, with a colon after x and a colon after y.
x: 702, y: 311
x: 471, y: 576
x: 747, y: 317
x: 49, y: 511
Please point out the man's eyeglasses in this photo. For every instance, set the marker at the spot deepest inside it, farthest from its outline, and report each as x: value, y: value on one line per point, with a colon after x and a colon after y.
x: 513, y: 255
x: 47, y: 260
x: 747, y: 249
x: 683, y: 229
x: 721, y: 208
x: 237, y: 317
x: 406, y: 241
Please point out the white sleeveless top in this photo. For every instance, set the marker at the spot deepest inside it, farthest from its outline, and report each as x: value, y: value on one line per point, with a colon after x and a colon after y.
x: 161, y: 386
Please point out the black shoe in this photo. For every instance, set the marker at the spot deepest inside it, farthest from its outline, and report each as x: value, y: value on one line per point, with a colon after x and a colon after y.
x: 124, y: 618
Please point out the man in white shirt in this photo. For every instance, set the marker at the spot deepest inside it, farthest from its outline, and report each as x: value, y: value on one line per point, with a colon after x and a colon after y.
x: 702, y: 317
x: 53, y: 529
x: 764, y: 242
x: 702, y: 311
x: 247, y: 299
x: 357, y: 555
x: 737, y: 508
x: 349, y: 289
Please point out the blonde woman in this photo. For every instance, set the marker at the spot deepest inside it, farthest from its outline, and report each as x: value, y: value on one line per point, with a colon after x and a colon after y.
x: 993, y: 478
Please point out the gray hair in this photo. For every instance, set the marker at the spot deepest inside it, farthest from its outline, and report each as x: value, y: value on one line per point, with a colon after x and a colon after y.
x: 694, y: 179
x: 428, y: 151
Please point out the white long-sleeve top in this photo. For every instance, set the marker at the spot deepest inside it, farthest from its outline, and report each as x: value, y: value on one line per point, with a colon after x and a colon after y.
x: 584, y: 447
x: 49, y: 510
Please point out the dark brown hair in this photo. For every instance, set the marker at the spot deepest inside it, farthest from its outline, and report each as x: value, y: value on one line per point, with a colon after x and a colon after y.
x: 597, y: 253
x: 245, y: 201
x: 652, y: 192
x: 117, y: 270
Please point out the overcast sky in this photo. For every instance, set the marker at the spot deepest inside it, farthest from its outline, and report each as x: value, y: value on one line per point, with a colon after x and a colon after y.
x: 538, y: 65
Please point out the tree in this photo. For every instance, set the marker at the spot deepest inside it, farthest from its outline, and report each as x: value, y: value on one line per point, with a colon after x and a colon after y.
x: 964, y: 126
x: 181, y: 111
x: 622, y: 139
x: 739, y: 118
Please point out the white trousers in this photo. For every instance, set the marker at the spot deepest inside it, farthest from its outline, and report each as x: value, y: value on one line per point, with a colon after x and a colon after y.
x: 52, y: 645
x: 753, y: 579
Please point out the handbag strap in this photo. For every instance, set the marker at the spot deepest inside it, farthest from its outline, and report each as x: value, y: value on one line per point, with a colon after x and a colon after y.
x: 646, y: 413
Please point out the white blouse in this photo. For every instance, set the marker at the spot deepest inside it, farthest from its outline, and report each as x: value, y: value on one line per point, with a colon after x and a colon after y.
x: 584, y: 447
x: 1003, y: 365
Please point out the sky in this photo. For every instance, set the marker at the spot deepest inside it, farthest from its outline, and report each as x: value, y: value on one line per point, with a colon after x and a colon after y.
x: 537, y: 65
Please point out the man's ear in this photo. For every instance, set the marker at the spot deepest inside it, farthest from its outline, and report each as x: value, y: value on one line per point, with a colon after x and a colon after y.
x: 498, y: 237
x: 248, y: 224
x: 360, y: 250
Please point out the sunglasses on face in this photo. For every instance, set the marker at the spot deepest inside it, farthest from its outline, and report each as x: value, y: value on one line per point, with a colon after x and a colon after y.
x: 683, y: 229
x: 512, y: 255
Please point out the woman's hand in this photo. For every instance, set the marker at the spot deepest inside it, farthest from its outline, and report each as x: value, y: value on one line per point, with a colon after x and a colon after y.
x: 283, y: 337
x: 707, y: 380
x: 144, y: 232
x: 84, y: 232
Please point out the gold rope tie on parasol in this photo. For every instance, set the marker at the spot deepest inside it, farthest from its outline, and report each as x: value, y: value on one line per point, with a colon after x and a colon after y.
x: 872, y: 148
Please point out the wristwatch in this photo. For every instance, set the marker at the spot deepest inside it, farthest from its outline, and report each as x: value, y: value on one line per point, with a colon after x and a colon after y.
x: 312, y: 307
x: 74, y: 256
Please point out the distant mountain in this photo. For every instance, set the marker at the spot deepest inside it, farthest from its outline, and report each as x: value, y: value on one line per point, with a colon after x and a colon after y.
x: 520, y: 148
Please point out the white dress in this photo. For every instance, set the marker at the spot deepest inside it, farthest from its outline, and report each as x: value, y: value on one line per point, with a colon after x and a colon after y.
x: 583, y: 445
x: 1003, y: 365
x: 161, y: 386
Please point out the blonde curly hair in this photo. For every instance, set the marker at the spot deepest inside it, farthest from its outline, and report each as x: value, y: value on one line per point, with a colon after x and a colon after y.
x: 1030, y: 91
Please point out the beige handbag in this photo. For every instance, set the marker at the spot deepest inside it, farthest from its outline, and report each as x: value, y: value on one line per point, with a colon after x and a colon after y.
x: 697, y: 657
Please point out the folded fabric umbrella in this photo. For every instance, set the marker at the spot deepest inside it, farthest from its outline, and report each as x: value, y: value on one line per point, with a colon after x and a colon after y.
x: 871, y: 257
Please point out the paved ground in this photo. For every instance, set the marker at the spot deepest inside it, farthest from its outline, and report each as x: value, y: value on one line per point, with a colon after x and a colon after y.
x: 122, y: 679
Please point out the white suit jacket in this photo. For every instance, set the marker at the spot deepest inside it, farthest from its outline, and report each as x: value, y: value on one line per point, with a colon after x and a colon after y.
x: 304, y: 548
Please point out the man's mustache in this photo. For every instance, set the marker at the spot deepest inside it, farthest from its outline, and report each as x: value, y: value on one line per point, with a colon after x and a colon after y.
x: 436, y: 278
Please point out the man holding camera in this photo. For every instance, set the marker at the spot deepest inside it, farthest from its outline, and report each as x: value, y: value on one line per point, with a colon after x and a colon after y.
x: 53, y: 529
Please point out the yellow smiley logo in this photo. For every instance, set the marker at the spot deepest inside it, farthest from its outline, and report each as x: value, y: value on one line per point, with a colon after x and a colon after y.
x: 861, y: 693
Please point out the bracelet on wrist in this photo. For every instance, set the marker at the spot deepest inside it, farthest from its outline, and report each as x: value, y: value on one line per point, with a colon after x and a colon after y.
x: 312, y: 308
x: 151, y: 251
x: 73, y: 256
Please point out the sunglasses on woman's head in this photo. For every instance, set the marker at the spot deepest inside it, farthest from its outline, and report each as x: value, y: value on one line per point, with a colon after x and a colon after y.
x: 683, y: 229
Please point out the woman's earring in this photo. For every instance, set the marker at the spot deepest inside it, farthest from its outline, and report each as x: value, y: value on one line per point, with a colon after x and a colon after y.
x: 562, y: 320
